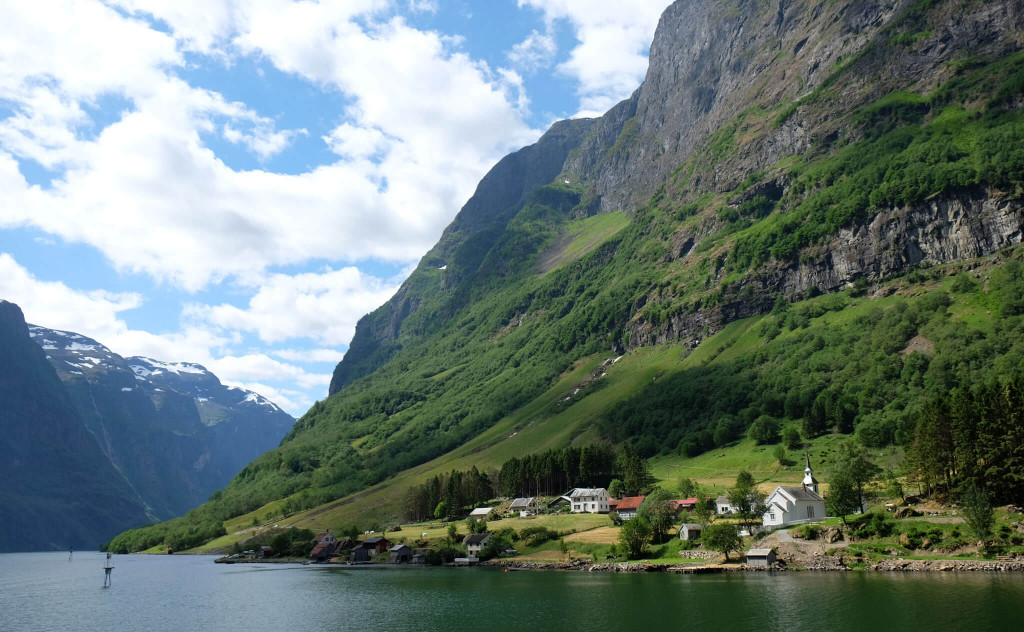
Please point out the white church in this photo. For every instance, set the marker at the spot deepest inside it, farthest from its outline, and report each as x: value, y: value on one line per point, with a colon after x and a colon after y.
x: 792, y: 505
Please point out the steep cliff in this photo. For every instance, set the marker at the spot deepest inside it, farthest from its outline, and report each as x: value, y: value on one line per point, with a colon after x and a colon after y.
x: 59, y: 489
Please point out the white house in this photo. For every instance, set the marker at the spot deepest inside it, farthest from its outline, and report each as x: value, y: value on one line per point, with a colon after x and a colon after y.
x: 481, y: 513
x: 525, y: 506
x: 589, y: 500
x: 723, y: 506
x: 792, y: 505
x: 475, y: 543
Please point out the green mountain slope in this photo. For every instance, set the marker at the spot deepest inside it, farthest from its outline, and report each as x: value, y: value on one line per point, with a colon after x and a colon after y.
x: 869, y: 152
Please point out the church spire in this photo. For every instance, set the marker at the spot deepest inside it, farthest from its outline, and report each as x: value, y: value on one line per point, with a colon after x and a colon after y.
x: 810, y: 483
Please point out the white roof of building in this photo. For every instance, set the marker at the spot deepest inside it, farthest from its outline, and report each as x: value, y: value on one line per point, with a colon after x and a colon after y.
x: 587, y: 491
x: 482, y: 511
x: 758, y: 552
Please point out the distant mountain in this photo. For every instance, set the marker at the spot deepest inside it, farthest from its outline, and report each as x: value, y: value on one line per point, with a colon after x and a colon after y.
x: 171, y: 428
x: 58, y: 488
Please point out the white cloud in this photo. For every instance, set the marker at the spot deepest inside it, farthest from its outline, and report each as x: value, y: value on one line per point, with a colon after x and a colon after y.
x: 55, y: 305
x: 263, y: 140
x: 259, y: 366
x: 610, y: 59
x: 424, y: 124
x: 535, y: 52
x: 323, y: 306
x: 423, y: 6
x: 309, y: 355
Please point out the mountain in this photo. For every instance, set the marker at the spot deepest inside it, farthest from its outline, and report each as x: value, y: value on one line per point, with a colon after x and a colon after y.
x: 171, y: 428
x: 808, y: 215
x: 59, y: 488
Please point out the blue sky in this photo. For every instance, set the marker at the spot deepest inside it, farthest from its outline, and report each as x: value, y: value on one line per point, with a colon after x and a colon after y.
x: 235, y: 183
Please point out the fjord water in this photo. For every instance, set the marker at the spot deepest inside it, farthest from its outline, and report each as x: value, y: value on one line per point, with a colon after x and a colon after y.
x: 43, y: 591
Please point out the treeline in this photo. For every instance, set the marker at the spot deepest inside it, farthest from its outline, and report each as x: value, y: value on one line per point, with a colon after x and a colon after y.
x: 447, y: 496
x: 973, y: 436
x: 178, y: 534
x: 551, y: 473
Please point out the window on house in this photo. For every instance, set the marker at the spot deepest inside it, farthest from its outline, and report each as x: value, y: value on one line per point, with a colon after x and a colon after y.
x: 810, y: 512
x: 771, y: 516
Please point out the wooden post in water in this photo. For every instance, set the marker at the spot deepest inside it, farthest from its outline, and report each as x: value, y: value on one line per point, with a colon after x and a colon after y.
x: 107, y: 568
x: 71, y: 552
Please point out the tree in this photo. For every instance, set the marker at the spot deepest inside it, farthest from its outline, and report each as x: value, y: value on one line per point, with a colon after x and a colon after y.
x: 634, y: 536
x: 453, y: 533
x: 636, y: 474
x: 780, y: 454
x: 616, y: 489
x: 702, y: 512
x: 764, y: 430
x: 747, y: 500
x: 441, y: 510
x: 688, y: 488
x: 842, y: 496
x: 722, y: 538
x: 563, y: 547
x: 791, y: 438
x: 851, y: 462
x: 658, y: 511
x: 977, y: 511
x: 893, y: 486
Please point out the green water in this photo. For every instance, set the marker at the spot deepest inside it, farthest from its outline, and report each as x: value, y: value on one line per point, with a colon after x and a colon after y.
x: 42, y: 591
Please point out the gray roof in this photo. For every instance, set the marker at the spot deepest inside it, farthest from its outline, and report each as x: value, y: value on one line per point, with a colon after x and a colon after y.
x: 799, y: 493
x: 759, y: 552
x: 722, y: 500
x: 399, y: 547
x: 587, y: 491
x: 521, y: 502
x: 476, y: 538
x: 481, y: 511
x: 690, y: 525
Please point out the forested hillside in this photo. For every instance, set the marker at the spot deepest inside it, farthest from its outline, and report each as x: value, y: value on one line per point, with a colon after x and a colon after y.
x: 812, y: 208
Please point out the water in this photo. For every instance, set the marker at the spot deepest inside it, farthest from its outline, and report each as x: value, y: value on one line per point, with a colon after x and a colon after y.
x: 42, y: 591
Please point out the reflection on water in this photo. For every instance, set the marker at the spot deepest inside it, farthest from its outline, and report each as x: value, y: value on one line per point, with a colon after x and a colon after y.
x: 42, y: 591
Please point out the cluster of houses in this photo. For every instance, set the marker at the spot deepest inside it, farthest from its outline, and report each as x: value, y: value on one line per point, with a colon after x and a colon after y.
x: 786, y: 504
x: 328, y: 546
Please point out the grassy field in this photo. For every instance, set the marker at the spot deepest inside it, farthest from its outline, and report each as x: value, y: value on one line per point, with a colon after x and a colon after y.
x: 581, y: 237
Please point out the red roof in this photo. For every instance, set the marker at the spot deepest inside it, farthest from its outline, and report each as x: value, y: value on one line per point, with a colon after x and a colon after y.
x: 321, y: 536
x: 630, y: 502
x: 320, y: 547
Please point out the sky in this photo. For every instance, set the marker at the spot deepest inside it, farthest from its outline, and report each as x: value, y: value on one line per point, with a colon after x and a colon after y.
x: 235, y: 183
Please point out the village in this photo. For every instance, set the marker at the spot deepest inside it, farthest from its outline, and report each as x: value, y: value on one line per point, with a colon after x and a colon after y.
x: 743, y: 529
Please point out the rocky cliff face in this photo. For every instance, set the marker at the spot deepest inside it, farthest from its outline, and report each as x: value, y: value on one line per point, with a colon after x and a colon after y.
x: 714, y: 68
x: 171, y: 428
x: 59, y: 489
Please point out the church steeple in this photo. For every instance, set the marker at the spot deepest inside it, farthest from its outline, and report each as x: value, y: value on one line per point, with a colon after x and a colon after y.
x: 810, y: 483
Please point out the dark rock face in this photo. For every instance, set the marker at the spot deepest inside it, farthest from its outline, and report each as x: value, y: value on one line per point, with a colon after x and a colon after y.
x: 171, y: 429
x: 59, y: 489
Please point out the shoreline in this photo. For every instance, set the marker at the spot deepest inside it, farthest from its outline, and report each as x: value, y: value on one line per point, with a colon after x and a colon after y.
x: 893, y: 565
